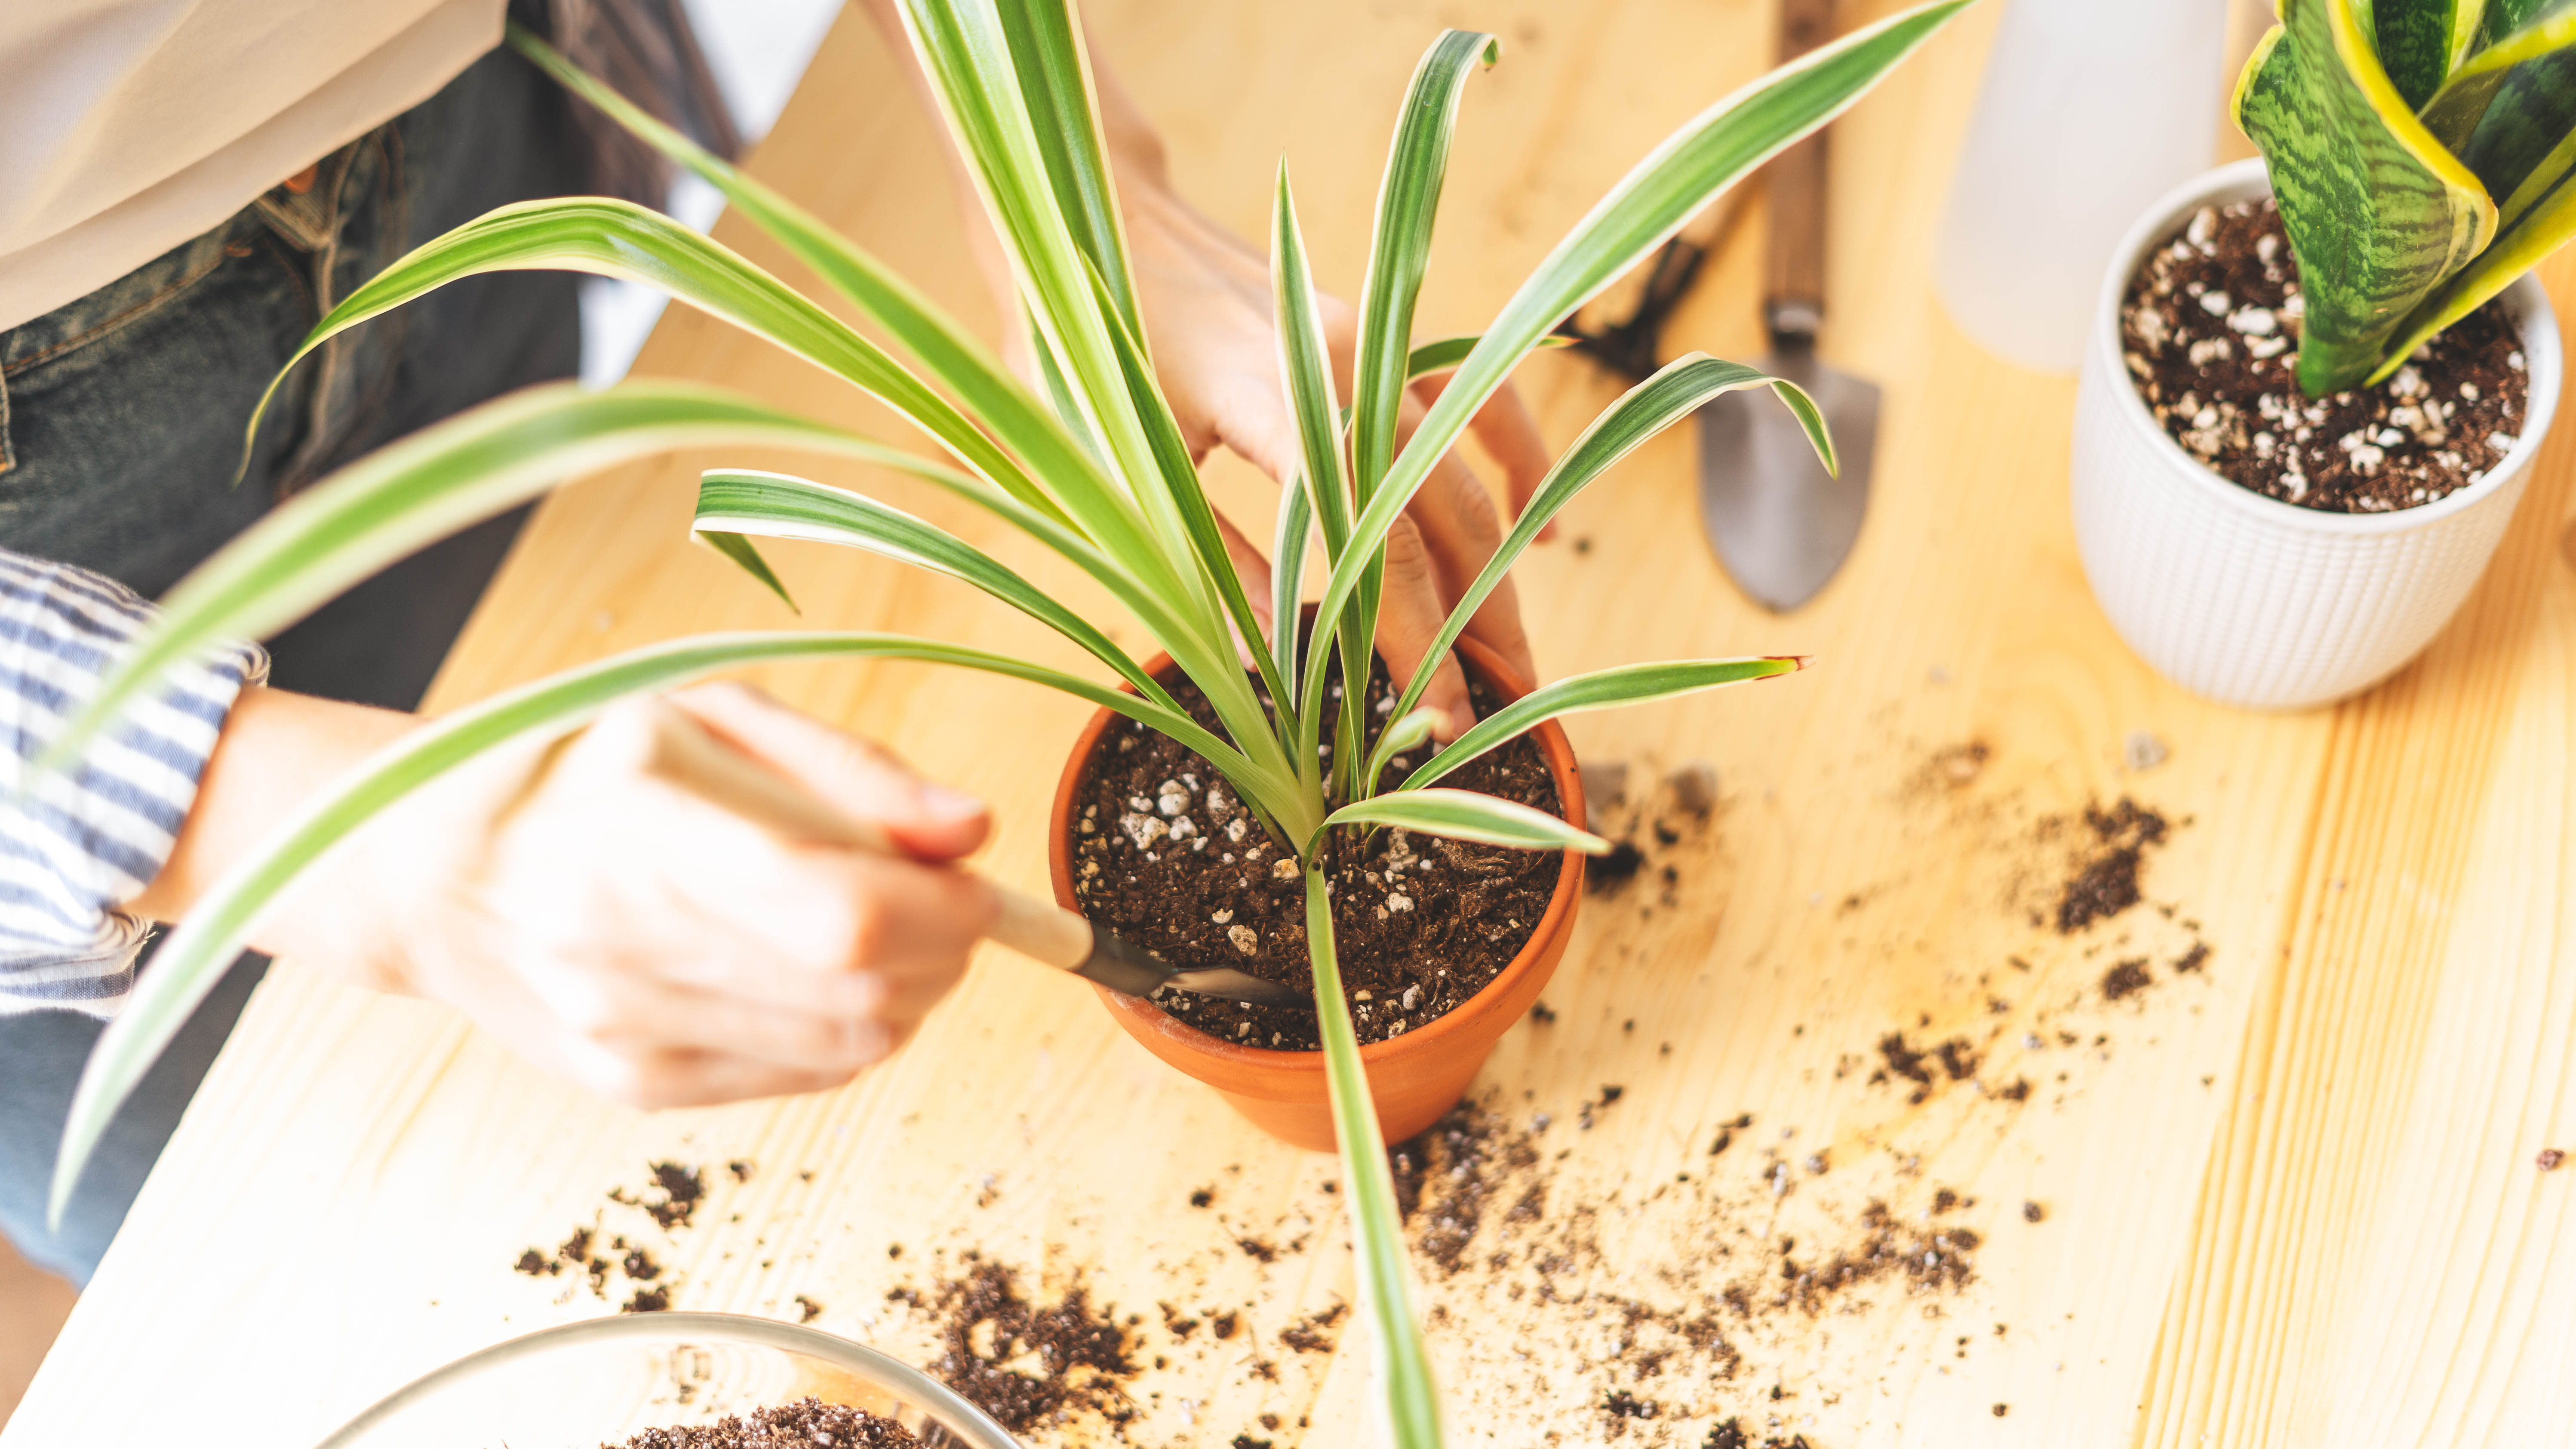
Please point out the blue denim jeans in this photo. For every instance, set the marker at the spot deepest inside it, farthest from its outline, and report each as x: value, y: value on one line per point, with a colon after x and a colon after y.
x: 121, y: 425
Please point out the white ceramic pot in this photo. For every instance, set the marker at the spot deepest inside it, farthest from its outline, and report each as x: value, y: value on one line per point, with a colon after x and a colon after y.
x: 2245, y: 599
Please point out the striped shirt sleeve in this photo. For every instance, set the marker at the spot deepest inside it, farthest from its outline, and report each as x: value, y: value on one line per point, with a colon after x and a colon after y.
x: 76, y: 846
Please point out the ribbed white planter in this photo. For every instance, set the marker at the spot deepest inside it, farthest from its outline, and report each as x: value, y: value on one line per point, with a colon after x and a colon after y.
x: 2245, y: 599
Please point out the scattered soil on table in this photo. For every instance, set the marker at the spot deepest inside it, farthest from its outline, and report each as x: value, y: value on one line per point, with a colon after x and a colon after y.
x: 1026, y: 1364
x: 2210, y: 331
x: 1166, y: 856
x: 673, y: 1197
x: 2111, y: 846
x: 809, y: 1423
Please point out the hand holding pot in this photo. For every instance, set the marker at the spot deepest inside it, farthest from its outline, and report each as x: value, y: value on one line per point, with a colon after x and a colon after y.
x: 610, y: 926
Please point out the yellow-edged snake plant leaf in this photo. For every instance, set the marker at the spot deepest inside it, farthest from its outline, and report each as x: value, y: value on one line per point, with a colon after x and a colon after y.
x: 2510, y: 114
x: 2420, y: 41
x: 2379, y: 214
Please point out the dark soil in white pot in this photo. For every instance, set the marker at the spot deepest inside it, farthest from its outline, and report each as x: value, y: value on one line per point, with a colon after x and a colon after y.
x: 2209, y: 329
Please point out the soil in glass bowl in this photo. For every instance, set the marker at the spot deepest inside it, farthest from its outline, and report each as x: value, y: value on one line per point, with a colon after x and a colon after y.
x: 806, y: 1424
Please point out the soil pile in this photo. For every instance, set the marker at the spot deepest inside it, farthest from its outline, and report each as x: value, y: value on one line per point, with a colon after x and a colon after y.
x: 2209, y: 330
x: 1166, y: 856
x: 1024, y: 1363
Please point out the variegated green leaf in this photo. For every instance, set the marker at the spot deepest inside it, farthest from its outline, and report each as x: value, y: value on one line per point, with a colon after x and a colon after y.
x: 2510, y: 113
x: 952, y: 356
x: 1674, y: 181
x: 1306, y: 379
x: 1441, y: 354
x: 1677, y: 390
x: 223, y: 920
x: 1048, y: 54
x: 443, y: 478
x: 1601, y: 689
x: 2378, y: 213
x: 1468, y: 815
x: 610, y: 238
x: 1296, y: 530
x: 1408, y: 202
x: 1408, y: 731
x: 1407, y: 1397
x: 2420, y: 41
x: 735, y: 502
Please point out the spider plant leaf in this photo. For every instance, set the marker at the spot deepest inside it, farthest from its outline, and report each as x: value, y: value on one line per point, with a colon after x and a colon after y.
x: 2378, y: 213
x: 1675, y: 392
x: 1441, y: 354
x: 1602, y: 689
x: 1663, y: 191
x: 197, y: 954
x: 1408, y: 201
x: 1306, y: 378
x: 1468, y: 815
x: 1409, y: 730
x: 445, y: 477
x: 951, y: 355
x: 1296, y: 529
x: 734, y: 502
x: 1406, y: 1393
x: 1054, y: 68
x: 1206, y: 538
x: 2419, y: 42
x: 746, y: 556
x: 611, y: 238
x: 1306, y: 368
x: 965, y: 50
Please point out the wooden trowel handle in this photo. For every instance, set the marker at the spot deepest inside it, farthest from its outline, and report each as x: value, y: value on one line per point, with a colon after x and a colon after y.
x: 682, y: 752
x: 1793, y: 299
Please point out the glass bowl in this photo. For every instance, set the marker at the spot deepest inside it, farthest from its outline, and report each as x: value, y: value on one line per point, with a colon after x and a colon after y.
x: 601, y: 1381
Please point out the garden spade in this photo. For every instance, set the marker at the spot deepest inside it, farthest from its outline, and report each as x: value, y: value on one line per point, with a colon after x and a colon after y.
x: 681, y: 751
x: 1779, y: 521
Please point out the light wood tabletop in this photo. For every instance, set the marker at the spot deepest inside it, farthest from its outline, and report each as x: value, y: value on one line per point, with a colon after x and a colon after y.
x: 2284, y: 1192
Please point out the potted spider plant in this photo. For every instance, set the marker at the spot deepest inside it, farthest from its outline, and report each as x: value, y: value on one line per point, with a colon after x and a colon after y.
x: 2317, y: 380
x: 1317, y: 778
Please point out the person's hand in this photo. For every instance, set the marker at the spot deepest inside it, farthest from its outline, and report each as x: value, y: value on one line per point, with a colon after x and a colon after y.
x: 1205, y: 298
x: 629, y: 935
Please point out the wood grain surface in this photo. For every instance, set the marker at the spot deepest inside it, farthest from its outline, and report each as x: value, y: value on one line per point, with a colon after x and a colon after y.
x: 2286, y: 1198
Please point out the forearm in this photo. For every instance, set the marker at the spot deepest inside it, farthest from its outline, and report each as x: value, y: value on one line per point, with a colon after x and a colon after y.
x: 278, y: 751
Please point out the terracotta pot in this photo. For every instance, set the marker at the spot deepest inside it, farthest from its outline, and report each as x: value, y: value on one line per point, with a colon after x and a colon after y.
x: 1415, y: 1077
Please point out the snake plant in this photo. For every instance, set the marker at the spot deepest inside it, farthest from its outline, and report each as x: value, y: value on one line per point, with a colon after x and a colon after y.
x: 1091, y: 466
x: 2421, y: 152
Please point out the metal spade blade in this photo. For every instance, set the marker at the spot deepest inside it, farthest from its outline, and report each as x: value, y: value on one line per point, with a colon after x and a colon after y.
x: 1780, y: 523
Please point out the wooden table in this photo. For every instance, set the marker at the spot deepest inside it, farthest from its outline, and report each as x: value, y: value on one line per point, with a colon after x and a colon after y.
x: 2289, y: 1198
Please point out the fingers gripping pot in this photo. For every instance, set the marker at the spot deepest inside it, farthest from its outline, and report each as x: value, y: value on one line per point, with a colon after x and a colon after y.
x: 1414, y: 1077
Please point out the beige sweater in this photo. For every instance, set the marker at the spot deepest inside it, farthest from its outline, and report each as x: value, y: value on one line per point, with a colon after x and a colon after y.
x: 129, y: 126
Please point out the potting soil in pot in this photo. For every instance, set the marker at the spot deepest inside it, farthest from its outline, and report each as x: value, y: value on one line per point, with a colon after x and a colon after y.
x: 808, y: 1423
x: 2210, y: 328
x: 1167, y: 857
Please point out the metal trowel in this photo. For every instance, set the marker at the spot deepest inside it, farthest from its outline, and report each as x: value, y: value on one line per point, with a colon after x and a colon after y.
x: 1780, y: 523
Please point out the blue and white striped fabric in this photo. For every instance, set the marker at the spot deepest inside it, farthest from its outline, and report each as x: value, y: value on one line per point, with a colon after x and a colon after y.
x: 74, y: 848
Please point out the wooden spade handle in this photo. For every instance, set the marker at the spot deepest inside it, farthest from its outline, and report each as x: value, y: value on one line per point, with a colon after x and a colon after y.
x: 681, y: 752
x: 1793, y: 299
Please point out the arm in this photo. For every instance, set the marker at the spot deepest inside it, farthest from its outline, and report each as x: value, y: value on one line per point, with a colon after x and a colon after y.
x: 603, y: 922
x: 1205, y: 296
